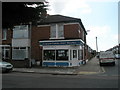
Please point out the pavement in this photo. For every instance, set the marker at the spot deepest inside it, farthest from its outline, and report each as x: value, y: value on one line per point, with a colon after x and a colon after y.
x: 91, y: 67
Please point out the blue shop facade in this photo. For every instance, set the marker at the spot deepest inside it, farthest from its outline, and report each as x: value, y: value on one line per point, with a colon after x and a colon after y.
x: 65, y: 53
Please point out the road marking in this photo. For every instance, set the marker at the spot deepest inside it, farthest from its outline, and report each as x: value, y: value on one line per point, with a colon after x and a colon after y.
x: 84, y: 72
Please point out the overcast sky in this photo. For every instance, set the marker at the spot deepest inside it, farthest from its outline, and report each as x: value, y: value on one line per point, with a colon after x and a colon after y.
x: 98, y: 16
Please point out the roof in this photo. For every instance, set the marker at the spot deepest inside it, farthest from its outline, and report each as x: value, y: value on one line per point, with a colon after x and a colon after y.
x: 60, y: 19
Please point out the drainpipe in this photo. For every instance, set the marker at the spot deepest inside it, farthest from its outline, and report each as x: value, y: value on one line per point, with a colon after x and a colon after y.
x: 30, y: 43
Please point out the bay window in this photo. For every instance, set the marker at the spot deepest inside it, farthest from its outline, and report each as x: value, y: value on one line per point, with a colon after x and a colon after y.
x: 19, y: 53
x: 20, y: 31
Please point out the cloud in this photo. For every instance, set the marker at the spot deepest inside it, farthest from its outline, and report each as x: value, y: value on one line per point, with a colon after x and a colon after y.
x: 104, y: 37
x: 99, y: 30
x: 66, y: 7
x: 102, y: 0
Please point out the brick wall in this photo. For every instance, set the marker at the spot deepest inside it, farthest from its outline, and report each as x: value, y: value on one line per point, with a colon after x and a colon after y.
x: 9, y: 37
x: 71, y: 31
x: 38, y: 33
x: 42, y: 33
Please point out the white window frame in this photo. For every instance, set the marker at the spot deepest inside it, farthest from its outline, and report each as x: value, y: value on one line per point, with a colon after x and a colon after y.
x: 19, y: 48
x: 23, y: 29
x: 4, y: 53
x: 4, y: 34
x: 57, y: 32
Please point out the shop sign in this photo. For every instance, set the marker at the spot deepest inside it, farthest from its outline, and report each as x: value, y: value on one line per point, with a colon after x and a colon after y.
x: 61, y: 43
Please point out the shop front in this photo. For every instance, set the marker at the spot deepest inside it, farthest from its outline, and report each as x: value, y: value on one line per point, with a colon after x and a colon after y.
x: 65, y: 53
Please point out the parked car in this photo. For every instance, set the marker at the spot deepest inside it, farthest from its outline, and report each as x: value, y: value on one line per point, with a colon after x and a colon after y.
x: 106, y: 58
x: 5, y: 66
x: 117, y: 56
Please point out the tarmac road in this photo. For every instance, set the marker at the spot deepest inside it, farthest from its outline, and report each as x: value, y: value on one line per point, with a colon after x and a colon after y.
x: 90, y: 75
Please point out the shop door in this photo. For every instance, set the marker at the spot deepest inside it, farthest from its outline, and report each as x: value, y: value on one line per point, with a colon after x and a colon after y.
x: 74, y: 59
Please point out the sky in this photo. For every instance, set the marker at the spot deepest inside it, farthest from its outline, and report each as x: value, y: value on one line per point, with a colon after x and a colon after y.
x: 99, y: 17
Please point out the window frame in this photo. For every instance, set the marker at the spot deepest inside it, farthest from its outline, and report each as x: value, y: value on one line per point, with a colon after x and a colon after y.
x: 21, y: 31
x: 4, y: 50
x: 67, y: 56
x: 55, y: 55
x: 57, y: 31
x: 20, y: 49
x: 4, y: 34
x: 50, y: 56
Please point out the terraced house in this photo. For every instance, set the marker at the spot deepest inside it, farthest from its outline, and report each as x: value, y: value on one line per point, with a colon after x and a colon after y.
x: 55, y: 41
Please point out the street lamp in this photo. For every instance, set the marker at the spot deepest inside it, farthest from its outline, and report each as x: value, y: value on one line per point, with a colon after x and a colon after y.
x: 96, y: 45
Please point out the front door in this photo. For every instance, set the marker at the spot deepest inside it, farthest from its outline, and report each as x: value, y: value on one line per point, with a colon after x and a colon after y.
x: 74, y: 58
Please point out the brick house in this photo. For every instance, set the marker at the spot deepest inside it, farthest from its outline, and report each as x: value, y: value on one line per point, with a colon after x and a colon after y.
x: 55, y: 41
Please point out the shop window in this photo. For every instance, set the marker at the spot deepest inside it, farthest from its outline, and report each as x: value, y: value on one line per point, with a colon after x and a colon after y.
x: 19, y: 54
x: 49, y: 54
x: 61, y: 54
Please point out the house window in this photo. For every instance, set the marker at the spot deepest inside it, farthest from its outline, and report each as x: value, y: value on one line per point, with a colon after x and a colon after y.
x: 5, y: 52
x: 60, y: 31
x: 19, y: 53
x: 53, y: 31
x: 57, y: 31
x: 62, y: 55
x: 20, y: 31
x: 4, y: 34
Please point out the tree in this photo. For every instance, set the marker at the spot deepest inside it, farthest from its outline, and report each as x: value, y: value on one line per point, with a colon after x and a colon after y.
x: 14, y: 13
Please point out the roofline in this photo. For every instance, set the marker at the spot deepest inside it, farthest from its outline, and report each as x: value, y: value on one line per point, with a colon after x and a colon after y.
x: 70, y: 21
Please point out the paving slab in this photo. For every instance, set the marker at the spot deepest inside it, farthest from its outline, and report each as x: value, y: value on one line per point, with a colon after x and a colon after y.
x: 91, y: 67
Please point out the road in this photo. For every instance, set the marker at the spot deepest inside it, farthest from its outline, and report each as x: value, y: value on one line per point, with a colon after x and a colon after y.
x: 107, y: 79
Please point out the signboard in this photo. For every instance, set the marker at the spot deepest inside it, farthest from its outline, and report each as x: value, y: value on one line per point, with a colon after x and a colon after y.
x: 61, y: 43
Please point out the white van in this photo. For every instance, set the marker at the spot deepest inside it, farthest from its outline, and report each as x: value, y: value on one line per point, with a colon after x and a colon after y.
x: 106, y: 57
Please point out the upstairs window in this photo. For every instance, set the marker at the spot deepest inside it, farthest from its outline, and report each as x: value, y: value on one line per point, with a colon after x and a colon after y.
x: 57, y: 31
x: 4, y: 34
x: 53, y: 31
x: 20, y: 31
x: 60, y: 31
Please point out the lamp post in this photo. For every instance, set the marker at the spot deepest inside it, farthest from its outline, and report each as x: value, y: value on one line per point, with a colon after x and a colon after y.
x: 96, y: 45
